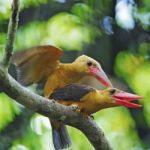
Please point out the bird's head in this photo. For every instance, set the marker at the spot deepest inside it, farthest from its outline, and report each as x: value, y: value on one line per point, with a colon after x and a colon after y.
x: 89, y: 66
x: 118, y: 97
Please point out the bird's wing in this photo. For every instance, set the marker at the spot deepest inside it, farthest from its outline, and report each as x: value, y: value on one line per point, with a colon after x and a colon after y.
x: 73, y: 92
x: 36, y: 64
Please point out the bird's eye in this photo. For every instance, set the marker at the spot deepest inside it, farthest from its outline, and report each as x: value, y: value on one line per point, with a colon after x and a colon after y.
x: 112, y: 91
x: 89, y: 63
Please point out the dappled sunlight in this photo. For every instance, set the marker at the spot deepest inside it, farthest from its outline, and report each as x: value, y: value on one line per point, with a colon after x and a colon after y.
x: 64, y: 30
x: 68, y: 31
x: 30, y: 35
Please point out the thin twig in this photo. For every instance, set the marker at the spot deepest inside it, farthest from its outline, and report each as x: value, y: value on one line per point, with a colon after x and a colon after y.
x: 12, y: 27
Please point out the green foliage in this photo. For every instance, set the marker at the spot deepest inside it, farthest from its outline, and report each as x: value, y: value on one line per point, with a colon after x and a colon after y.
x: 79, y: 141
x: 141, y: 81
x: 29, y: 141
x: 30, y: 35
x: 126, y: 63
x: 64, y: 30
x: 80, y: 27
x: 2, y: 43
x: 4, y: 9
x: 118, y: 127
x: 5, y: 6
x: 8, y: 110
x: 69, y: 31
x: 37, y: 136
x: 39, y: 132
x: 83, y: 11
x: 35, y: 3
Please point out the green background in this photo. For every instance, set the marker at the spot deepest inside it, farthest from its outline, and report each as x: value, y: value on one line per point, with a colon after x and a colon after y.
x: 115, y: 33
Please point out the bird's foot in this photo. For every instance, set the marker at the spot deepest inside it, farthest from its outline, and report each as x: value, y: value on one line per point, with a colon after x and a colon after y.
x: 76, y: 108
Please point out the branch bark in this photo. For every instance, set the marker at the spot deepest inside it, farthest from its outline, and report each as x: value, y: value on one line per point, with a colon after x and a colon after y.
x: 12, y: 27
x: 49, y: 108
x: 54, y: 110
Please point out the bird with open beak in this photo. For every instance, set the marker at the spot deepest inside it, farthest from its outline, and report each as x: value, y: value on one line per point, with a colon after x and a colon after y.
x: 87, y: 100
x: 42, y: 63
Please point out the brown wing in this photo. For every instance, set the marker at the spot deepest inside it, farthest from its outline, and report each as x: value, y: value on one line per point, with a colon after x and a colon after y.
x: 73, y: 92
x: 36, y: 64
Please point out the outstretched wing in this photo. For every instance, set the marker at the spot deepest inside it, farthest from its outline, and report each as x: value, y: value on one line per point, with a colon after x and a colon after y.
x: 73, y: 92
x: 36, y: 64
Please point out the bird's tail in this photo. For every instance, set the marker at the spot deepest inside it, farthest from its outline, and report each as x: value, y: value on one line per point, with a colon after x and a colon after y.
x: 60, y: 135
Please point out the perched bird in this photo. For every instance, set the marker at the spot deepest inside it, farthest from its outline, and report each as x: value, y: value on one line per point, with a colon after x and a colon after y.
x: 88, y: 100
x: 42, y: 63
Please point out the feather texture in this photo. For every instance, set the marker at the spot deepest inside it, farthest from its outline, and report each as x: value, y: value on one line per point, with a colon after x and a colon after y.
x: 73, y: 92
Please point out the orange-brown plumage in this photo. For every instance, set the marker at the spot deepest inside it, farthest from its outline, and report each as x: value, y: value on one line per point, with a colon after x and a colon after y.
x: 87, y: 100
x: 90, y: 100
x: 42, y: 63
x: 36, y: 63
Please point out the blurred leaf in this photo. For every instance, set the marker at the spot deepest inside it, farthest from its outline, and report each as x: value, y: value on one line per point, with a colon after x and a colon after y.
x: 118, y: 125
x: 30, y: 141
x: 5, y: 6
x: 79, y: 141
x: 83, y: 11
x: 8, y: 110
x: 19, y: 147
x: 141, y: 85
x: 64, y: 30
x: 126, y: 63
x: 135, y: 70
x: 68, y: 31
x: 30, y: 34
x: 28, y: 3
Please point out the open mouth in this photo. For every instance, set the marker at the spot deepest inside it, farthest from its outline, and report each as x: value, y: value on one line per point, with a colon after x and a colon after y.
x: 124, y: 98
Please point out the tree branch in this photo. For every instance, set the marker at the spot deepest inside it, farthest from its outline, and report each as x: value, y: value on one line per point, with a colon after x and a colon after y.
x: 12, y: 27
x: 49, y: 108
x: 54, y: 110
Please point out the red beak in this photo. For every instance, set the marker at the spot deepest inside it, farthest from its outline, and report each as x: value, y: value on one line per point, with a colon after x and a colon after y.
x: 123, y: 98
x: 100, y: 76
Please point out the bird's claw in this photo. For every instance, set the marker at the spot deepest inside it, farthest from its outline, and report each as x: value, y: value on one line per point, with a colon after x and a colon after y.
x: 76, y: 108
